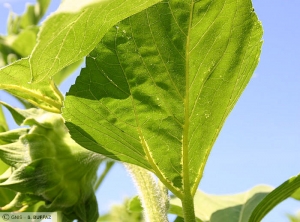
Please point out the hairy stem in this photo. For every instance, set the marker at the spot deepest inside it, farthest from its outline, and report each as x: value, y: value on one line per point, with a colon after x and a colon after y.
x: 153, y: 196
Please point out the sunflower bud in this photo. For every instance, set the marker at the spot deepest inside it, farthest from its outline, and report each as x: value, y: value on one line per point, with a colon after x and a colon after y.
x: 47, y: 165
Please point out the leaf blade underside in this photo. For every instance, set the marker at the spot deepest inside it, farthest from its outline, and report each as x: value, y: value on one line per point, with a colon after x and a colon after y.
x: 166, y: 78
x: 74, y: 30
x: 14, y: 79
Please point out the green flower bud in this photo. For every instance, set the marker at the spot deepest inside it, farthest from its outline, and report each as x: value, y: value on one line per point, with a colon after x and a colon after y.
x: 47, y: 165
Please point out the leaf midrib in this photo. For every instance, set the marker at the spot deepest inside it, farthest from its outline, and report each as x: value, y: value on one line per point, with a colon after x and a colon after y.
x: 185, y: 142
x: 144, y: 142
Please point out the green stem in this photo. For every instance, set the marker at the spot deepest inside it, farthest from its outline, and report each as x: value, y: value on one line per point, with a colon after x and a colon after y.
x: 188, y: 208
x: 103, y: 175
x: 154, y: 199
x: 59, y: 216
x: 187, y: 199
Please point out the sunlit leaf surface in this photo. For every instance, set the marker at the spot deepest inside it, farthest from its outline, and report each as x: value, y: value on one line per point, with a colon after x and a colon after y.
x: 157, y: 89
x: 224, y: 208
x: 14, y: 79
x: 75, y: 29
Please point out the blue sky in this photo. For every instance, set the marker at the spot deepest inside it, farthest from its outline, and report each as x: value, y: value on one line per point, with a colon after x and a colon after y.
x: 259, y: 143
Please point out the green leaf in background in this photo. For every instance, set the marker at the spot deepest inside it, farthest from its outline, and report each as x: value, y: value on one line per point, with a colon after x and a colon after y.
x: 296, y: 194
x: 31, y: 17
x: 14, y: 79
x: 179, y: 219
x: 282, y: 192
x: 20, y: 115
x: 223, y: 208
x: 134, y: 205
x: 121, y: 213
x: 34, y: 13
x: 294, y: 218
x: 47, y: 165
x: 5, y: 194
x: 75, y: 29
x: 21, y: 33
x: 24, y: 42
x: 3, y: 123
x: 19, y: 43
x: 157, y: 89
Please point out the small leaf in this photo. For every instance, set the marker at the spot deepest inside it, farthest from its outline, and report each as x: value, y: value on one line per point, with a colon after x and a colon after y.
x: 120, y: 213
x: 26, y: 176
x: 223, y: 208
x: 135, y: 205
x: 41, y: 8
x: 29, y: 18
x: 13, y: 23
x: 75, y: 29
x: 22, y: 33
x: 14, y: 79
x: 33, y: 13
x: 3, y: 123
x: 24, y: 42
x: 12, y: 135
x: 294, y: 218
x: 14, y: 154
x: 296, y: 194
x: 6, y: 195
x: 282, y: 192
x: 20, y: 115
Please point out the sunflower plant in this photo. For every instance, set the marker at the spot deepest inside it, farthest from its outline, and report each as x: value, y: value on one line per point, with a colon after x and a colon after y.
x: 160, y: 79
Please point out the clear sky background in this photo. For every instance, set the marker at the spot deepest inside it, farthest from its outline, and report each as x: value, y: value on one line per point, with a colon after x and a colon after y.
x: 259, y: 143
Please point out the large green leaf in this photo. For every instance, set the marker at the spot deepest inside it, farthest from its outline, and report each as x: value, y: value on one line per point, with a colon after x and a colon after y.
x: 157, y: 89
x: 75, y: 29
x: 224, y: 208
x: 14, y: 79
x: 282, y: 192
